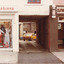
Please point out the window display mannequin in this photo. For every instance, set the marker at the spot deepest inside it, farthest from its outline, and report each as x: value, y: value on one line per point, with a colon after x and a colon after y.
x: 7, y: 37
x: 1, y: 37
x: 3, y: 29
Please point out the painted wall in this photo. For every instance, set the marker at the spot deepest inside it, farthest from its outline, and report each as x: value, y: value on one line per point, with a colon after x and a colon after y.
x: 58, y: 2
x: 23, y: 8
x: 29, y: 9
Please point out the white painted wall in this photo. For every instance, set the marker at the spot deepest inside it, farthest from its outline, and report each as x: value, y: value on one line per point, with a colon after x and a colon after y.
x: 21, y: 29
x: 58, y: 2
x: 15, y: 31
x: 29, y: 9
x: 23, y: 8
x: 23, y: 2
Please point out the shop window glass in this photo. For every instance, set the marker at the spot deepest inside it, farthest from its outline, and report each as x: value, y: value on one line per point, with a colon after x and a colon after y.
x: 38, y: 0
x: 29, y: 1
x: 34, y: 1
x: 5, y: 34
x: 61, y: 18
x: 59, y: 25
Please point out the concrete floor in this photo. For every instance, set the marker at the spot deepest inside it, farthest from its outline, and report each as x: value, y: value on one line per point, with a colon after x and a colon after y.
x: 38, y: 58
x: 30, y: 46
x: 36, y: 55
x: 33, y: 53
x: 31, y: 58
x: 59, y: 54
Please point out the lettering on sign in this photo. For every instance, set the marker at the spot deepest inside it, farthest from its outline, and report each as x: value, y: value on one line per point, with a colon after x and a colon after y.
x: 7, y: 8
x: 60, y: 9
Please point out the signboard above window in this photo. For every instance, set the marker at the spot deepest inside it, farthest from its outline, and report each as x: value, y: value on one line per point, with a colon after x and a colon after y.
x: 8, y: 9
x: 34, y: 1
x: 60, y: 9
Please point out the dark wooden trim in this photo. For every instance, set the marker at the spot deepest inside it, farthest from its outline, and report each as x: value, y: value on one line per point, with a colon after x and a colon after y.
x: 60, y: 15
x: 59, y: 5
x: 53, y: 32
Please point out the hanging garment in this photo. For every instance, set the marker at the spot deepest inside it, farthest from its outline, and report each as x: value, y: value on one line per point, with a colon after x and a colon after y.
x: 1, y: 37
x: 7, y: 37
x: 3, y: 29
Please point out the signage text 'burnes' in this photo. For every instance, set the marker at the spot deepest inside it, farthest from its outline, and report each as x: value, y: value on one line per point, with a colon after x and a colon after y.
x: 6, y: 8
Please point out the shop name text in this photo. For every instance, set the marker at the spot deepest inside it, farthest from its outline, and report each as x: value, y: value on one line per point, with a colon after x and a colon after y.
x: 6, y: 8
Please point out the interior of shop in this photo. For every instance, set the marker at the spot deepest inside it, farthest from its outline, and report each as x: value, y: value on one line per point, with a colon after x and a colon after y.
x: 61, y: 33
x: 5, y: 33
x: 33, y: 33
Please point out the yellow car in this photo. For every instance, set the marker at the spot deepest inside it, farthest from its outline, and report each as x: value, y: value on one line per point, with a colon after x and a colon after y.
x: 33, y: 37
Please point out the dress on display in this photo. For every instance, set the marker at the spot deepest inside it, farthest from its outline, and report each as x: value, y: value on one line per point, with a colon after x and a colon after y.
x: 1, y: 35
x: 7, y: 37
x: 3, y: 29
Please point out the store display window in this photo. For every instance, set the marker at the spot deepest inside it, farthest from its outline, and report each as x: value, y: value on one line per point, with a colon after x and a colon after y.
x: 5, y: 34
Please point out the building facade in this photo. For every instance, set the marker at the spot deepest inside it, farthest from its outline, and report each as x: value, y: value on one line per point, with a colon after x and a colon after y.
x: 12, y: 12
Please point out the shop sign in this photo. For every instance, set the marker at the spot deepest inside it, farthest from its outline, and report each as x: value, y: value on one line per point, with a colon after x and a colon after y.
x: 60, y: 9
x: 7, y: 9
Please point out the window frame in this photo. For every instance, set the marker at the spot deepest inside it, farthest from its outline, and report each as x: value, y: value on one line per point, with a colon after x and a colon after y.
x: 34, y: 2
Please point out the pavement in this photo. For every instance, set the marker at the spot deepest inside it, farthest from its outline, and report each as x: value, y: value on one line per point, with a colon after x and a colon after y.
x: 30, y: 46
x: 31, y: 53
x: 29, y: 58
x: 38, y: 58
x: 59, y: 54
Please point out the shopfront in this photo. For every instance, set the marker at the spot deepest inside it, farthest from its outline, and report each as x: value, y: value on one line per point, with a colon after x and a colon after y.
x: 8, y: 23
x: 60, y: 13
x: 10, y: 12
x: 57, y: 29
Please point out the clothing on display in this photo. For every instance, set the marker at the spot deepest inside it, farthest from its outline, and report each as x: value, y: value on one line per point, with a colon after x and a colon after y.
x: 2, y: 28
x: 5, y: 34
x: 7, y: 37
x: 1, y: 37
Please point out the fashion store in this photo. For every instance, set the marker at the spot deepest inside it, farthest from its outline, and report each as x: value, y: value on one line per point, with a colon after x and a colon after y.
x: 11, y: 34
x: 7, y: 28
x: 18, y: 19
